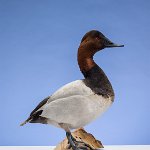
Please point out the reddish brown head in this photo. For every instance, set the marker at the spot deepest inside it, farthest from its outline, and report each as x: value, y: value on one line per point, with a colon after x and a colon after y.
x: 92, y: 42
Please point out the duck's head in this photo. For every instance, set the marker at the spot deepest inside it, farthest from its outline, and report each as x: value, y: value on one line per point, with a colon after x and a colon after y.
x: 92, y: 42
x: 97, y: 41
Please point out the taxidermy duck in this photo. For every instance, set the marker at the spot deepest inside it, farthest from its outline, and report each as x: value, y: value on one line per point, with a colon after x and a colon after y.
x: 78, y: 103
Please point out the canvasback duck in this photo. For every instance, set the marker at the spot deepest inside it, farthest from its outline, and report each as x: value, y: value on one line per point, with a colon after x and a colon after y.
x: 78, y: 103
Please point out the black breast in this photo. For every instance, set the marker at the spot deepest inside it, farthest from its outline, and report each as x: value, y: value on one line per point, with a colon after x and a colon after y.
x: 96, y: 79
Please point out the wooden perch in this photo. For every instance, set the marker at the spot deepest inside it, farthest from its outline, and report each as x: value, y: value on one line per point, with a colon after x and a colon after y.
x: 83, y: 136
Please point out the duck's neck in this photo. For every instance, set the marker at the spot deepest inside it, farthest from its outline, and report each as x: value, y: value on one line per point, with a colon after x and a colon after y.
x: 95, y: 78
x: 85, y: 59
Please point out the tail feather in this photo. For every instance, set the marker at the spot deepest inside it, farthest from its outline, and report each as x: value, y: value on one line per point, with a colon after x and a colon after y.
x: 35, y: 118
x: 35, y: 114
x: 26, y: 121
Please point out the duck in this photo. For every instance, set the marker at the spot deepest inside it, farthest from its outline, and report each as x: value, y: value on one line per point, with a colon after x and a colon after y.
x: 78, y: 103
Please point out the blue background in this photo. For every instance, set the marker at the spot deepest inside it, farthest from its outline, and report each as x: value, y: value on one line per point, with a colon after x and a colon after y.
x: 38, y: 47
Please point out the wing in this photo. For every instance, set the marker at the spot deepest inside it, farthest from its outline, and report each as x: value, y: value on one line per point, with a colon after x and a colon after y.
x: 74, y: 110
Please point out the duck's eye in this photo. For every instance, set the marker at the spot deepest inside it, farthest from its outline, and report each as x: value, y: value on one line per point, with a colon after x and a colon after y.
x: 97, y: 38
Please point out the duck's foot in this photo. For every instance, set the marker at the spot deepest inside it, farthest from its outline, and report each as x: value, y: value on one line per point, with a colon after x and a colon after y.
x: 76, y: 145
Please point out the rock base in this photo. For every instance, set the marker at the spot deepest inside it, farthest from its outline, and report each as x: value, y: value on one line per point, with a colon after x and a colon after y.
x: 82, y: 136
